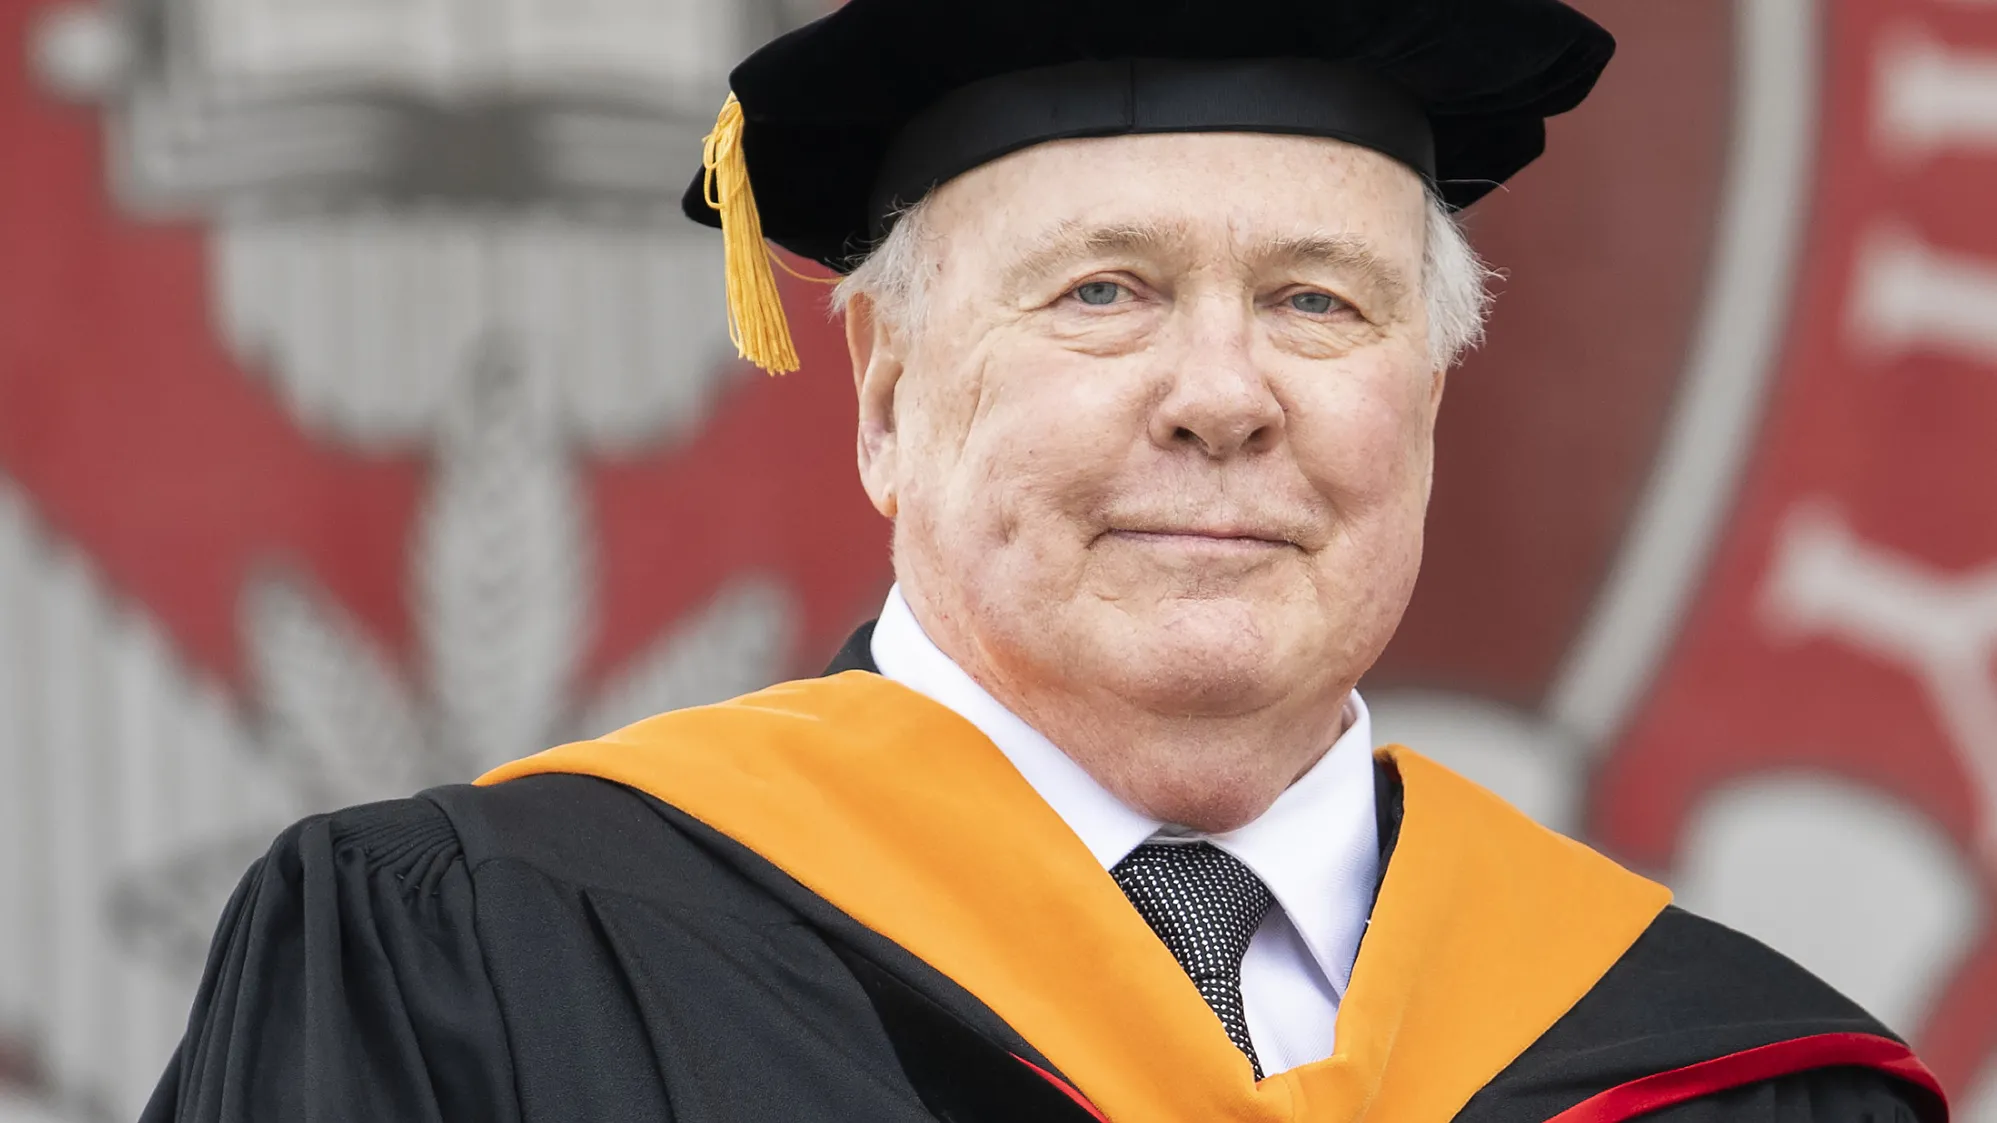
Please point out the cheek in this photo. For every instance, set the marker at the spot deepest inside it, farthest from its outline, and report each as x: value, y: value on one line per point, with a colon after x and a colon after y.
x: 1017, y: 446
x: 1050, y: 415
x: 1365, y: 434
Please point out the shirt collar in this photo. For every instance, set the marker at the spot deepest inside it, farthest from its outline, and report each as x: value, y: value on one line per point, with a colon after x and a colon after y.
x: 1317, y: 848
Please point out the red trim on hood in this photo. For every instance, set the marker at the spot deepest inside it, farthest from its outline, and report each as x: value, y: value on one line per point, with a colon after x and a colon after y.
x: 1824, y: 1050
x: 1067, y: 1089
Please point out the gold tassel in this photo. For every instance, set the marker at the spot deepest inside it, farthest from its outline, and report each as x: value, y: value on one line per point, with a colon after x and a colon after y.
x: 756, y: 322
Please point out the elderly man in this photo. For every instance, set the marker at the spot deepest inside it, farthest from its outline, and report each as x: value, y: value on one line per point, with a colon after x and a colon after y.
x: 1149, y: 308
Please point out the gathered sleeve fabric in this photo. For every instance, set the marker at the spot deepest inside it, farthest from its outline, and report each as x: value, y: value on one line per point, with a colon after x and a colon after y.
x: 346, y: 983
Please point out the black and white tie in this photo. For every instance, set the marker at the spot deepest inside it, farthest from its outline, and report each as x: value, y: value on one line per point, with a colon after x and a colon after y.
x: 1206, y: 906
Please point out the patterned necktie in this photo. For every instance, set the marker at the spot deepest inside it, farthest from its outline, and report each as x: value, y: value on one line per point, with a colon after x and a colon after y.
x: 1206, y: 906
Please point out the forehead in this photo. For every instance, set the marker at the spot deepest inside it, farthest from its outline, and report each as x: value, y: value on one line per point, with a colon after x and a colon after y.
x: 1214, y: 187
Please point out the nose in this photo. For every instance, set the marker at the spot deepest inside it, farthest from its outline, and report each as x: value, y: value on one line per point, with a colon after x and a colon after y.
x: 1216, y: 400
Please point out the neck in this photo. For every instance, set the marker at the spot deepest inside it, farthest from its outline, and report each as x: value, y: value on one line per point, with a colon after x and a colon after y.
x: 1210, y: 771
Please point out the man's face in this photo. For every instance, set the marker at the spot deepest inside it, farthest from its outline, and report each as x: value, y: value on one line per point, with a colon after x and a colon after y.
x: 1161, y: 427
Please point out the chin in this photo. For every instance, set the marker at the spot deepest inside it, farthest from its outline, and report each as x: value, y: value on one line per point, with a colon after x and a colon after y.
x: 1205, y: 659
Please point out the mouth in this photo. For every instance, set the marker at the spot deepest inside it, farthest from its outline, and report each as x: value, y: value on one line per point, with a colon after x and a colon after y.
x: 1219, y: 539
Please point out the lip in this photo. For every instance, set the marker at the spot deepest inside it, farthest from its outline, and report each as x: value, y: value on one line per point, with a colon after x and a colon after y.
x: 1225, y: 539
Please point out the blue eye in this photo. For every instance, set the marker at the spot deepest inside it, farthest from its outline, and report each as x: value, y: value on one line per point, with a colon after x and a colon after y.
x: 1314, y: 303
x: 1098, y: 292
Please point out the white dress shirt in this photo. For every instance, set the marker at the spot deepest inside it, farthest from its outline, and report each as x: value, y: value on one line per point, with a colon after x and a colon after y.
x: 1317, y: 848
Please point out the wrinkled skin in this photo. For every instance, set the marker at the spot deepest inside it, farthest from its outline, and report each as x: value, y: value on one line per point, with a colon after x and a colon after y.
x: 1158, y: 444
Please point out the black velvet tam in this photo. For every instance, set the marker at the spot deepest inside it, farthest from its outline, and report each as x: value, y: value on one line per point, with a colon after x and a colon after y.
x: 858, y: 114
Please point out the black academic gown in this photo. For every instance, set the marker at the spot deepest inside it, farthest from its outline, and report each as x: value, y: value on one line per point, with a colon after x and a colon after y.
x: 562, y: 948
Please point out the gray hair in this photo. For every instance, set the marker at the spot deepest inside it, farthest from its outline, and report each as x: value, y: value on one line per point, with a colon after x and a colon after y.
x: 1455, y: 282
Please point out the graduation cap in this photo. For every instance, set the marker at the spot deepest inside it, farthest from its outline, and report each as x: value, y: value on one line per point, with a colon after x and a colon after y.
x: 846, y: 122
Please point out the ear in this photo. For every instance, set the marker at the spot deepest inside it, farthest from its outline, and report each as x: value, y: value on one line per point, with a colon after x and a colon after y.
x: 877, y: 367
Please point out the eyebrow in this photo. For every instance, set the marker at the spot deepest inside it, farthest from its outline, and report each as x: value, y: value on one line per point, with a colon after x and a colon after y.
x: 1344, y: 253
x: 1069, y: 241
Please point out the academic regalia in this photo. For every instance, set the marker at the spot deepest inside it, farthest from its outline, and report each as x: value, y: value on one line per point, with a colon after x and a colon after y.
x: 834, y: 900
